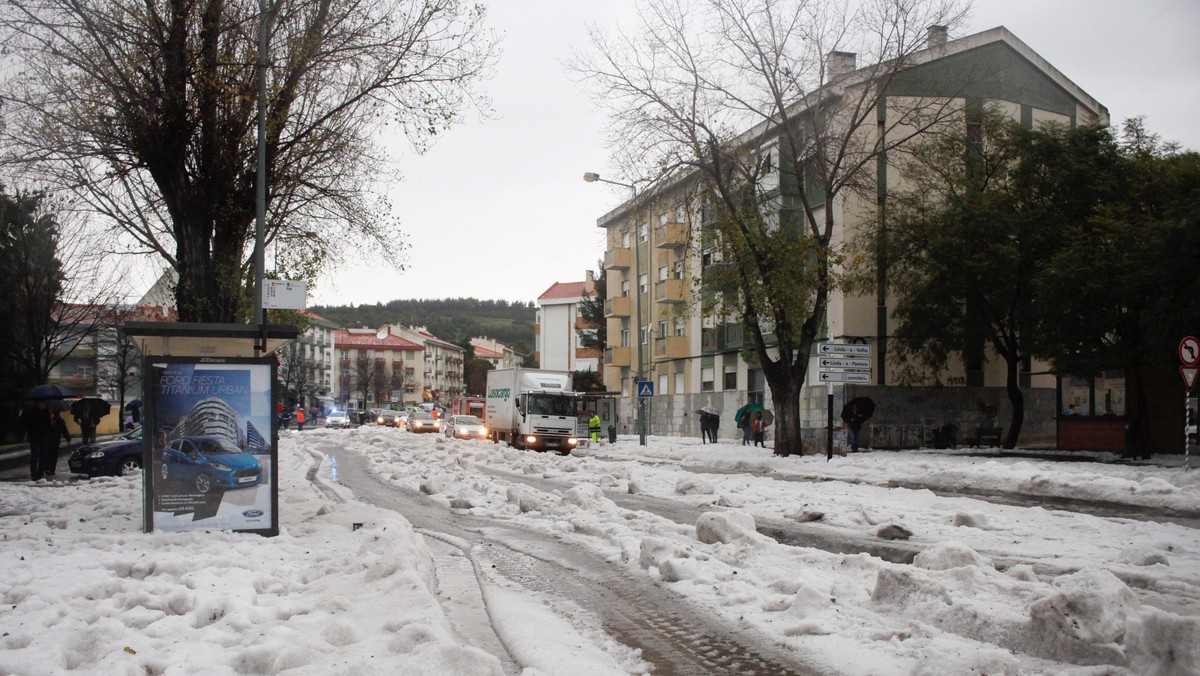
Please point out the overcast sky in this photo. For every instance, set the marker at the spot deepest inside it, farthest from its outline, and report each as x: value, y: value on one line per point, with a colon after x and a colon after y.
x: 498, y: 208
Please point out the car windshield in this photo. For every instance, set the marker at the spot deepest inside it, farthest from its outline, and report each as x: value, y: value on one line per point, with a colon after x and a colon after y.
x: 216, y: 447
x: 134, y: 434
x: 422, y: 415
x: 467, y: 420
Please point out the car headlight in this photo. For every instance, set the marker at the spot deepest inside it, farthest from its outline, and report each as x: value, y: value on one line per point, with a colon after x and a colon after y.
x: 95, y: 455
x: 219, y: 467
x: 483, y: 432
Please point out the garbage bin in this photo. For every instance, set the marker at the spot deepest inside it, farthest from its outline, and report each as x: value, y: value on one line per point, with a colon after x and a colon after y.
x: 612, y: 434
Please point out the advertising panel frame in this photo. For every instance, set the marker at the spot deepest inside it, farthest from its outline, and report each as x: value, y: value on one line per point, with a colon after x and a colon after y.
x: 210, y: 444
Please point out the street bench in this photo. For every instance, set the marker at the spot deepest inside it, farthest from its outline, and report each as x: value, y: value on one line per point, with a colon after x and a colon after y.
x: 985, y: 436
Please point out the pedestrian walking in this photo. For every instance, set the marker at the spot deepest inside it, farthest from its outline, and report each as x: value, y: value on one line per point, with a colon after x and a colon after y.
x: 743, y: 422
x: 299, y: 418
x: 36, y: 422
x: 50, y: 449
x: 759, y: 427
x: 87, y: 427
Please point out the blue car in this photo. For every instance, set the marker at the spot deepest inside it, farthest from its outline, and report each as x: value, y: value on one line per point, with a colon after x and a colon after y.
x: 109, y: 458
x: 208, y: 462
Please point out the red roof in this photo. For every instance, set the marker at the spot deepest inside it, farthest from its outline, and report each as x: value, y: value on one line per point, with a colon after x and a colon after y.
x: 567, y: 290
x: 484, y: 353
x: 343, y: 338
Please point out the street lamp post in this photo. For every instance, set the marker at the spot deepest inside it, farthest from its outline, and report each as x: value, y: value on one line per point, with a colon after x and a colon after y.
x: 593, y: 177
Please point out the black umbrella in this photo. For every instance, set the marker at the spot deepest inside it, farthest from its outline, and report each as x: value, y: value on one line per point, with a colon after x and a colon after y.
x: 93, y: 407
x: 865, y: 406
x: 46, y: 392
x: 136, y: 403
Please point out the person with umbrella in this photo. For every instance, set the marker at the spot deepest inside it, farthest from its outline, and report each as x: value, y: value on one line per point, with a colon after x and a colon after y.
x: 744, y: 417
x: 43, y: 426
x: 88, y: 412
x: 759, y: 425
x: 854, y: 413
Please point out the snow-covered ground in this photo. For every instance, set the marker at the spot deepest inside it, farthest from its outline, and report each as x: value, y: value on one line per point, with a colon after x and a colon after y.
x: 994, y: 589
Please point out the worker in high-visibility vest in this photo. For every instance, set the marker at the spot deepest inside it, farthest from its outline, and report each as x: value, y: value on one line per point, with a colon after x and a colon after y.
x: 594, y: 426
x: 300, y: 418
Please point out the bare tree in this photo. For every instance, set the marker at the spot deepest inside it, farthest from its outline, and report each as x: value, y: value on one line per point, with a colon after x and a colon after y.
x: 148, y: 112
x: 297, y: 372
x: 756, y: 114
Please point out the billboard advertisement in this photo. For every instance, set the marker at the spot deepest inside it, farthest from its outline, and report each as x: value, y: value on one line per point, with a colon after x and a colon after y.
x: 210, y: 445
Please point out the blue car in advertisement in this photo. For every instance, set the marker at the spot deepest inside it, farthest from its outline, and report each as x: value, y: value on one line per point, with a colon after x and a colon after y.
x: 209, y: 462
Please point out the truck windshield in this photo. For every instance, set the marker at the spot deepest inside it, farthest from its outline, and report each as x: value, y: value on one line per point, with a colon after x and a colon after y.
x: 551, y: 405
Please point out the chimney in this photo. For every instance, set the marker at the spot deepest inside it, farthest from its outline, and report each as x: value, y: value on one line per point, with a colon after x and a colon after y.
x: 935, y: 36
x: 589, y: 282
x: 840, y: 63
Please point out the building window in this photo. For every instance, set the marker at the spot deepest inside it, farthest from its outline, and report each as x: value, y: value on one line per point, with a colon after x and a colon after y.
x: 625, y: 287
x: 643, y: 282
x: 706, y: 379
x: 662, y: 274
x: 662, y: 328
x: 706, y: 258
x: 678, y: 383
x: 645, y: 331
x: 625, y: 238
x: 677, y: 269
x: 662, y: 384
x: 624, y: 337
x: 730, y: 378
x: 679, y: 326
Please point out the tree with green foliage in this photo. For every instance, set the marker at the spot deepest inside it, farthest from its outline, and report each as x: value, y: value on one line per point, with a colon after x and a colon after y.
x: 1123, y: 289
x: 747, y: 101
x: 148, y: 112
x: 594, y: 332
x: 983, y: 213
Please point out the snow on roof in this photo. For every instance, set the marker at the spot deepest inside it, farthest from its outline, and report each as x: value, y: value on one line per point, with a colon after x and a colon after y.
x: 346, y: 338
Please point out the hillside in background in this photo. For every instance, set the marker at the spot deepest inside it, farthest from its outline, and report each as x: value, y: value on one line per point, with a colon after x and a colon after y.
x: 456, y: 320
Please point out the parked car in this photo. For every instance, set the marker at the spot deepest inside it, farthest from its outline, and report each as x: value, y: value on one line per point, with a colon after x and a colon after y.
x: 464, y: 427
x: 337, y: 419
x: 117, y: 457
x: 208, y: 461
x: 421, y: 421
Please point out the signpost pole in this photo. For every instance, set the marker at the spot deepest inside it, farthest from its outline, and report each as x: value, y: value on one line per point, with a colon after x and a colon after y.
x: 829, y: 434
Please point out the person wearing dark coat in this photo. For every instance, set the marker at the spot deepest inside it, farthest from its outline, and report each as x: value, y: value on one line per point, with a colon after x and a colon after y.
x: 853, y: 417
x: 38, y: 426
x: 87, y: 427
x: 50, y: 450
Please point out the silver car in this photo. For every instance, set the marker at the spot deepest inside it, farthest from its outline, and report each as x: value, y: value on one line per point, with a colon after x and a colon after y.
x: 337, y: 419
x: 464, y: 427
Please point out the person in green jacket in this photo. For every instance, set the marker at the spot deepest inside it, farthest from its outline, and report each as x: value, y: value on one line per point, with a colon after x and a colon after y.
x: 594, y: 426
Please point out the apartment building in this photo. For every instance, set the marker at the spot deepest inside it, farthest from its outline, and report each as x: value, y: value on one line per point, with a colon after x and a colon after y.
x: 658, y: 249
x: 557, y: 326
x: 442, y: 365
x: 499, y: 355
x: 375, y: 367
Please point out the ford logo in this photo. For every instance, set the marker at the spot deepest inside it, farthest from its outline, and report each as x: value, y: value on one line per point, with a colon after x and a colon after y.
x: 252, y: 513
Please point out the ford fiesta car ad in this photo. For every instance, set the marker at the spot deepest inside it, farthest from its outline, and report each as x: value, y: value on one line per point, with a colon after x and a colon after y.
x: 212, y: 459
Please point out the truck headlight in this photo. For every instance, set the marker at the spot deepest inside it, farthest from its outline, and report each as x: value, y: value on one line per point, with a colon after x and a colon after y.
x: 531, y: 439
x: 571, y: 441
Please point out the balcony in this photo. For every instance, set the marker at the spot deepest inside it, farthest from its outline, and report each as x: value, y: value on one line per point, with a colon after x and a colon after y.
x: 671, y: 347
x: 670, y: 236
x: 618, y: 258
x: 617, y: 307
x: 669, y: 291
x: 617, y: 356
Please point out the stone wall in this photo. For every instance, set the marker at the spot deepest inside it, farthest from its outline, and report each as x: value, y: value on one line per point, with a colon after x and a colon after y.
x: 904, y: 416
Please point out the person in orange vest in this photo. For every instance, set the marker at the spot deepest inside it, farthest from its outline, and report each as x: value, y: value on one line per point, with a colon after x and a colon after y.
x: 300, y: 418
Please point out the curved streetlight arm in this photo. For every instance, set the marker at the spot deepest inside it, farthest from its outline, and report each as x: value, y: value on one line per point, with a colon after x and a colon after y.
x: 593, y: 177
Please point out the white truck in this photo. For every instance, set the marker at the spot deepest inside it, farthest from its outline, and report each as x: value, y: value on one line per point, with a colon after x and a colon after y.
x: 532, y: 408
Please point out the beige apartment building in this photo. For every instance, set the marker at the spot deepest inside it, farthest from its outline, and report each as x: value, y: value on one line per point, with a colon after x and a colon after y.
x: 657, y: 252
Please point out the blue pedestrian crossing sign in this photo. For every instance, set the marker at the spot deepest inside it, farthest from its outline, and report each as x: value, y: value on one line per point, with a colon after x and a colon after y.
x: 645, y: 388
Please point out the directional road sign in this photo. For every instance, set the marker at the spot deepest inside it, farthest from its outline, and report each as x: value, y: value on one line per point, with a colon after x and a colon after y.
x: 842, y: 348
x: 844, y: 376
x: 844, y: 363
x: 645, y: 388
